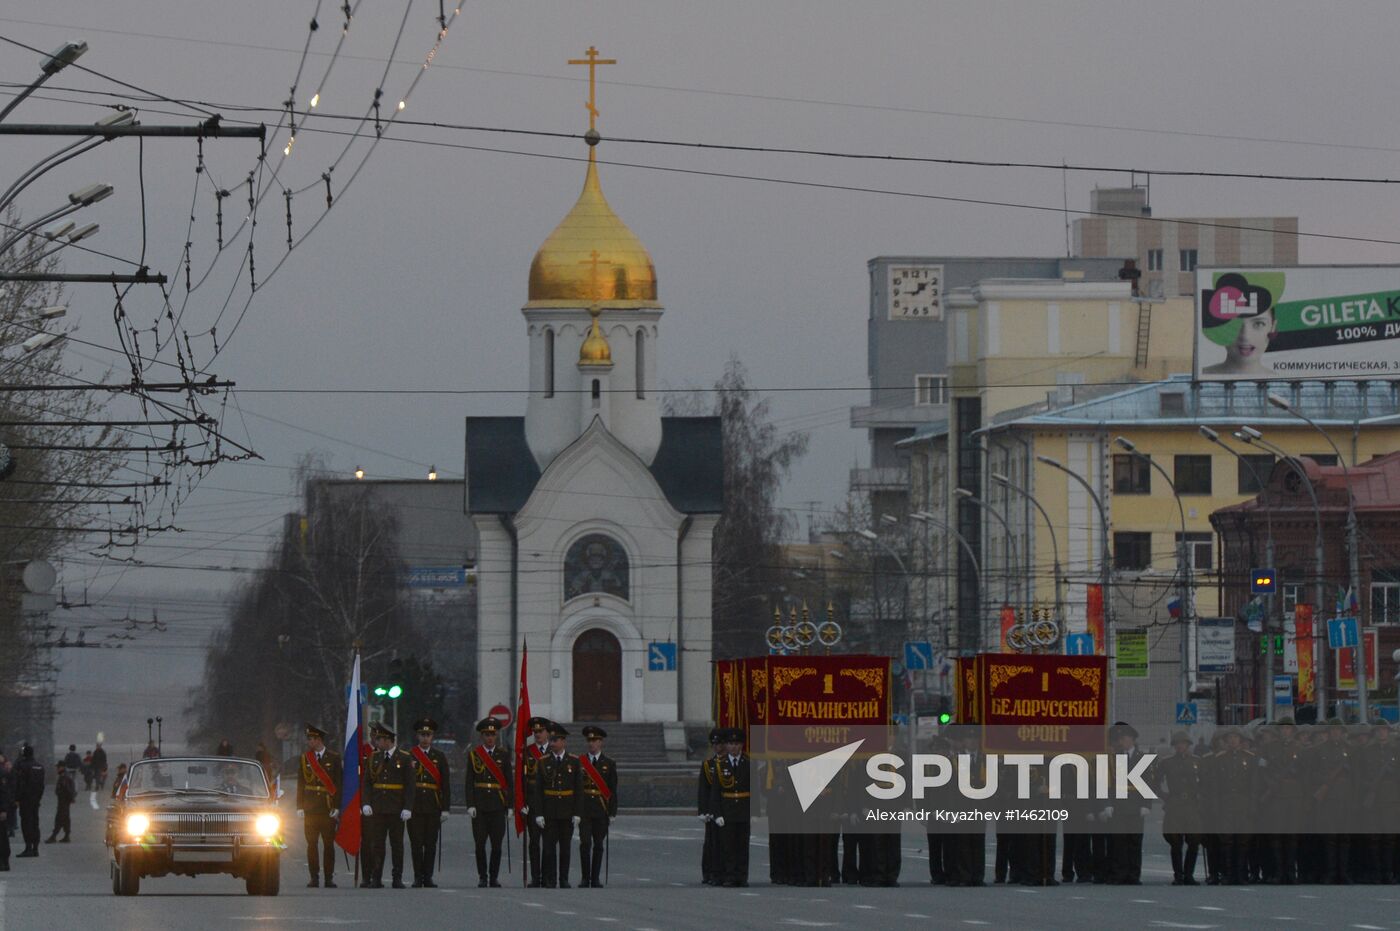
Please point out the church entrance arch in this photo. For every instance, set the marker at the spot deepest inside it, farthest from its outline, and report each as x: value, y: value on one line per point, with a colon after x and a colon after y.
x: 597, y: 676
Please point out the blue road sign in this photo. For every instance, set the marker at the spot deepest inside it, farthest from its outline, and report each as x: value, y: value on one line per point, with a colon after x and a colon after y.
x: 1079, y: 644
x: 1263, y: 581
x: 661, y: 656
x: 1342, y: 632
x: 1187, y: 713
x: 918, y: 654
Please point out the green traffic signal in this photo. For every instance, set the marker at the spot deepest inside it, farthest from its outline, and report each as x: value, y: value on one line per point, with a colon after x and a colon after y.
x: 380, y: 691
x: 945, y: 718
x: 395, y: 691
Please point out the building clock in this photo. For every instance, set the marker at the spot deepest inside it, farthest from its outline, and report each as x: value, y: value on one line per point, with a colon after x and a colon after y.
x: 915, y: 292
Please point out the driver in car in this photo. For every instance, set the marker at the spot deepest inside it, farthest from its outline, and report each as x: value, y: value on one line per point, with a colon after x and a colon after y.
x: 228, y: 781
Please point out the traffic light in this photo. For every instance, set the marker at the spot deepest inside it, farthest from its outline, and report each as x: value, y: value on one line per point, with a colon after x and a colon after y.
x: 1263, y: 582
x: 390, y: 690
x: 1264, y: 645
x: 945, y: 710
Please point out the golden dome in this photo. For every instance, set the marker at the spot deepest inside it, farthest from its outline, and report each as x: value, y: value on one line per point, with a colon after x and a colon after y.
x: 592, y: 256
x: 595, y: 349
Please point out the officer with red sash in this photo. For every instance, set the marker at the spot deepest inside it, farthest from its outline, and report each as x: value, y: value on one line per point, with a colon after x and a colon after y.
x: 529, y: 757
x: 597, y: 806
x: 554, y: 806
x: 388, y: 804
x: 318, y: 801
x: 489, y: 799
x: 432, y: 800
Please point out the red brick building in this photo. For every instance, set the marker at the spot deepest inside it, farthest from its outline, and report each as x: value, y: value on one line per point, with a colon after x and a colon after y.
x: 1286, y: 507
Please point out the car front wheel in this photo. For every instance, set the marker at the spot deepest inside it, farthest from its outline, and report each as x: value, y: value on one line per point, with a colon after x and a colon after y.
x: 127, y: 880
x: 266, y: 877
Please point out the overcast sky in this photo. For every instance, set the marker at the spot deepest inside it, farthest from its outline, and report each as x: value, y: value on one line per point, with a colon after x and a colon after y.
x: 415, y: 279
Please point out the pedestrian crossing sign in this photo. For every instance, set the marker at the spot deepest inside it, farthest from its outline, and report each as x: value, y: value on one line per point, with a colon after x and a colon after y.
x: 1187, y: 713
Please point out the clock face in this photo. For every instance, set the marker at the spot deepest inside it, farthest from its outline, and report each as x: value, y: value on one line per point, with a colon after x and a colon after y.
x: 915, y: 292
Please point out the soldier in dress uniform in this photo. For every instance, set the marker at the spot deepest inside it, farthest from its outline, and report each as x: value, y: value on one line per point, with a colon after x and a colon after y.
x: 490, y: 796
x: 965, y: 852
x: 432, y: 800
x: 597, y: 806
x: 534, y: 750
x: 1283, y: 800
x: 1125, y: 816
x: 318, y: 804
x: 554, y: 805
x: 1178, y: 779
x: 1334, y: 789
x: 729, y: 804
x: 389, y: 792
x: 709, y: 860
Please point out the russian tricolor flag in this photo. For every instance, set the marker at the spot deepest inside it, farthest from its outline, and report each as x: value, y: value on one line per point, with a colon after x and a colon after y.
x: 347, y: 835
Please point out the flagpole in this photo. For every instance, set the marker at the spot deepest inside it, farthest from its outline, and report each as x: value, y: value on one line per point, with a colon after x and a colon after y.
x: 359, y: 759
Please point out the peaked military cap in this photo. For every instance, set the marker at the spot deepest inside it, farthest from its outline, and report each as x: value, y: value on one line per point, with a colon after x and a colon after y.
x: 314, y: 731
x: 379, y: 730
x: 557, y: 730
x: 1121, y: 728
x: 1181, y: 737
x: 488, y: 726
x: 537, y: 723
x: 716, y: 735
x: 592, y: 732
x: 425, y: 726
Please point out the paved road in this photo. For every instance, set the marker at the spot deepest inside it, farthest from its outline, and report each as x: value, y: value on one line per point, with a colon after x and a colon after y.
x: 655, y: 867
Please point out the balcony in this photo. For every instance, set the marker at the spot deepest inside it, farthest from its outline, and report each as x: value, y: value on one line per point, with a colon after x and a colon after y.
x: 888, y: 478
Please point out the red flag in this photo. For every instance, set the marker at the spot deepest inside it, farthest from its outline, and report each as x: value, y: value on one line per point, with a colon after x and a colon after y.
x: 522, y: 727
x: 1093, y: 614
x: 1008, y: 621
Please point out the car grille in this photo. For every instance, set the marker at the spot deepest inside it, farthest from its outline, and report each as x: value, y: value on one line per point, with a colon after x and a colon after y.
x: 202, y: 825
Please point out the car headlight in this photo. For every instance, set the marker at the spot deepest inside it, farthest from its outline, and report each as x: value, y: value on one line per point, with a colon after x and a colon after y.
x: 137, y: 825
x: 267, y: 825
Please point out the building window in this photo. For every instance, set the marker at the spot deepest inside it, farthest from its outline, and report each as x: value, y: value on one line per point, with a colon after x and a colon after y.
x: 1192, y: 476
x: 548, y: 362
x: 1323, y: 459
x: 641, y: 364
x: 1188, y: 260
x: 597, y: 393
x: 1172, y: 402
x: 1249, y: 467
x: 1385, y: 596
x: 930, y: 389
x: 595, y: 563
x: 1132, y: 475
x: 1154, y: 260
x: 1132, y: 550
x: 1199, y: 551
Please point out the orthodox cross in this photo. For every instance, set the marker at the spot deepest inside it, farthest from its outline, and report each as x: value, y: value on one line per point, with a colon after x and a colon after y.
x: 592, y: 61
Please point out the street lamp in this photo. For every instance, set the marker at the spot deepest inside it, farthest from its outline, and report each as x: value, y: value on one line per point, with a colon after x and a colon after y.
x: 67, y: 153
x: 1264, y: 686
x: 52, y: 64
x: 1363, y: 709
x: 924, y: 517
x: 1012, y: 560
x: 1054, y: 543
x: 1253, y: 437
x: 77, y: 200
x: 1183, y: 564
x: 432, y: 473
x: 359, y: 472
x: 1105, y: 560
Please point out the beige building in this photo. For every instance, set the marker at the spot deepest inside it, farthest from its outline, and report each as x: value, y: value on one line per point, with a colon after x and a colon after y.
x: 1169, y: 249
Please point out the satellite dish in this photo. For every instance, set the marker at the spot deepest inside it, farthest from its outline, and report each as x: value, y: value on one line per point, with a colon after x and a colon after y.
x: 39, y: 577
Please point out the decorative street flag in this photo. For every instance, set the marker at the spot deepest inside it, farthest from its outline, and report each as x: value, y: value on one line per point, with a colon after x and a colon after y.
x: 1093, y: 614
x: 522, y: 727
x: 1174, y: 608
x: 1303, y: 631
x: 347, y: 836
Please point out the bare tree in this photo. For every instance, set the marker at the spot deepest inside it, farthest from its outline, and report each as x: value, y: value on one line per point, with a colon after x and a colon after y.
x: 757, y: 458
x: 331, y: 585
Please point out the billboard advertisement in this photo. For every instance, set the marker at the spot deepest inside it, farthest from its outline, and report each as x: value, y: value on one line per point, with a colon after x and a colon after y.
x: 1308, y: 322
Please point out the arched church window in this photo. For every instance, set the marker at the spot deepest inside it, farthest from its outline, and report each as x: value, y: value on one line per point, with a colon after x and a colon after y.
x: 595, y: 563
x: 641, y: 364
x: 548, y: 362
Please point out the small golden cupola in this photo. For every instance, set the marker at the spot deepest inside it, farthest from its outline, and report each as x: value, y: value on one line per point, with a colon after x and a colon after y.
x: 595, y: 351
x: 592, y: 257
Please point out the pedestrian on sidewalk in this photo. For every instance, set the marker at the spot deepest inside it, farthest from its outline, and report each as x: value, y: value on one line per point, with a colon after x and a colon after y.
x: 7, y: 801
x: 29, y: 789
x: 99, y: 766
x: 88, y: 774
x: 65, y: 792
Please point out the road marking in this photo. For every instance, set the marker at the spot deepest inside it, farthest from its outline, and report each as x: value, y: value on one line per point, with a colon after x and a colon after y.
x: 566, y: 913
x: 862, y: 906
x: 643, y: 879
x: 1145, y: 901
x: 1178, y: 924
x: 1283, y: 918
x: 678, y: 884
x: 1369, y: 927
x: 533, y: 904
x: 603, y: 918
x: 914, y: 915
x: 803, y: 923
x: 1210, y: 908
x: 975, y: 921
x: 748, y: 893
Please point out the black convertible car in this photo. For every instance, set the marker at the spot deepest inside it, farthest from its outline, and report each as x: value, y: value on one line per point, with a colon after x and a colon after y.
x: 192, y: 815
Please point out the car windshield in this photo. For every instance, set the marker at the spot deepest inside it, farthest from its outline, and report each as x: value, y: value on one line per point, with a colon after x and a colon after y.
x: 225, y: 777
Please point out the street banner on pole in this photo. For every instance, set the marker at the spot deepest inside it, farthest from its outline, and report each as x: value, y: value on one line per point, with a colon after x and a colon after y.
x: 347, y: 835
x: 1307, y: 673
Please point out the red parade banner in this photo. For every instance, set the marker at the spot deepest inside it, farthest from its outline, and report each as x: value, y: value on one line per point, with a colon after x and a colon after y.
x: 800, y: 690
x: 1048, y: 700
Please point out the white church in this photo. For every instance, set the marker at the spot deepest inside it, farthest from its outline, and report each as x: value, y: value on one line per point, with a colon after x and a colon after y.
x: 594, y: 514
